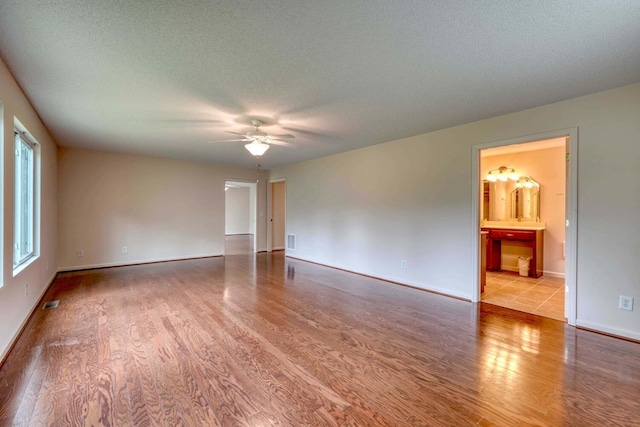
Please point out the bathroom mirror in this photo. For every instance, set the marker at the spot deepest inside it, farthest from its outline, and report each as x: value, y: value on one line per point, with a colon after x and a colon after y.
x: 511, y: 200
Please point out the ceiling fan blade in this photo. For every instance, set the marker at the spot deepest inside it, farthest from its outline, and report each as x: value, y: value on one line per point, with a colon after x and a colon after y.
x: 235, y: 133
x: 281, y: 143
x: 286, y: 135
x: 228, y: 140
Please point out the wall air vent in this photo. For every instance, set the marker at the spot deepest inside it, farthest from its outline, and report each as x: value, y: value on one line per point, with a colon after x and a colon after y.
x: 291, y: 242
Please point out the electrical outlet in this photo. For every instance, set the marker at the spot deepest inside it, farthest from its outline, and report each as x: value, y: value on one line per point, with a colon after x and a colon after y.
x: 26, y: 289
x: 626, y: 303
x: 403, y: 264
x: 124, y: 249
x: 80, y: 253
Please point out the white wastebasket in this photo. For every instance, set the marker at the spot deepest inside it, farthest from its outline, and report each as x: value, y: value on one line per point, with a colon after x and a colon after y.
x: 523, y: 265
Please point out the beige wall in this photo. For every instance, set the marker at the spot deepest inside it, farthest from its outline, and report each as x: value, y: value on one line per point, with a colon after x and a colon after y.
x: 15, y: 306
x: 547, y: 167
x: 411, y: 199
x: 160, y: 209
x: 237, y: 214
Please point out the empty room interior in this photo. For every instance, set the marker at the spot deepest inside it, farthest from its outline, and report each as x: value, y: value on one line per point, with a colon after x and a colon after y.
x: 396, y: 214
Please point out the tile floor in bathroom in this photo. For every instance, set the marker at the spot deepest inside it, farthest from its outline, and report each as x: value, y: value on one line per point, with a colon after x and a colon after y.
x: 543, y: 296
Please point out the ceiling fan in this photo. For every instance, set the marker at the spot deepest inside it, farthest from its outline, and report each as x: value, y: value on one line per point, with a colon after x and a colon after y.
x: 258, y: 141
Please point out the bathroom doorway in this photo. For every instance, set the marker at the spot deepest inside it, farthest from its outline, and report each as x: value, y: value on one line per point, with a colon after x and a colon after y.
x: 524, y: 209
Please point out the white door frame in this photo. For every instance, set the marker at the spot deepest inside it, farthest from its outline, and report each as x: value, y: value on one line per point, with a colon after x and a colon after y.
x: 571, y: 213
x: 269, y: 211
x: 254, y: 227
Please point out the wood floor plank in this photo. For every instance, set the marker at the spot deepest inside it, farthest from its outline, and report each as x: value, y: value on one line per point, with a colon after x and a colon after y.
x: 76, y: 335
x: 144, y: 401
x: 250, y: 340
x: 164, y: 367
x: 121, y: 361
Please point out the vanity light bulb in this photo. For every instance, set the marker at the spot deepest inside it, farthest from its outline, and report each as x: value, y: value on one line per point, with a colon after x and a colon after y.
x: 491, y: 178
x: 513, y: 176
x: 528, y: 184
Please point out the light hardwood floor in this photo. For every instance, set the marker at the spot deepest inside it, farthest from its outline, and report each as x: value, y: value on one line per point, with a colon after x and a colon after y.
x: 261, y: 340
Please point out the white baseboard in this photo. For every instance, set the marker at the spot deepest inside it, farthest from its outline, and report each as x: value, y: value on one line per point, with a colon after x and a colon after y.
x: 608, y: 330
x: 135, y: 262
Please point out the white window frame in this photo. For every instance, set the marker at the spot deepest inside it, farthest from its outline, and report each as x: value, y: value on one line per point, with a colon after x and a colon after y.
x: 24, y: 238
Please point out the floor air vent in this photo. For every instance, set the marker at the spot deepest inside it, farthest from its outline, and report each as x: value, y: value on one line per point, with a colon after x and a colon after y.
x: 51, y: 304
x: 291, y: 242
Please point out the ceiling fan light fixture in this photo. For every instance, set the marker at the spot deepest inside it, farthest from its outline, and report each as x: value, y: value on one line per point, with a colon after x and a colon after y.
x: 256, y: 148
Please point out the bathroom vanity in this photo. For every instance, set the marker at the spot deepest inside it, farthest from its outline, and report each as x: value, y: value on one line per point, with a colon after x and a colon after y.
x: 530, y: 235
x: 510, y: 212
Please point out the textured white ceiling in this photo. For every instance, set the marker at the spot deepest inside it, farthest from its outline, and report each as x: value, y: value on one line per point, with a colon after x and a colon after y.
x: 164, y: 77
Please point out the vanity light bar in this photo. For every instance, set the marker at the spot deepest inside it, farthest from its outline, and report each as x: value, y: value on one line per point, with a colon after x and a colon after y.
x: 502, y: 173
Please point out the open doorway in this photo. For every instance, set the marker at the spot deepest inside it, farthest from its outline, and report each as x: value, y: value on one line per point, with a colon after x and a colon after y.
x: 522, y: 210
x: 240, y: 217
x: 525, y: 207
x: 277, y: 215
